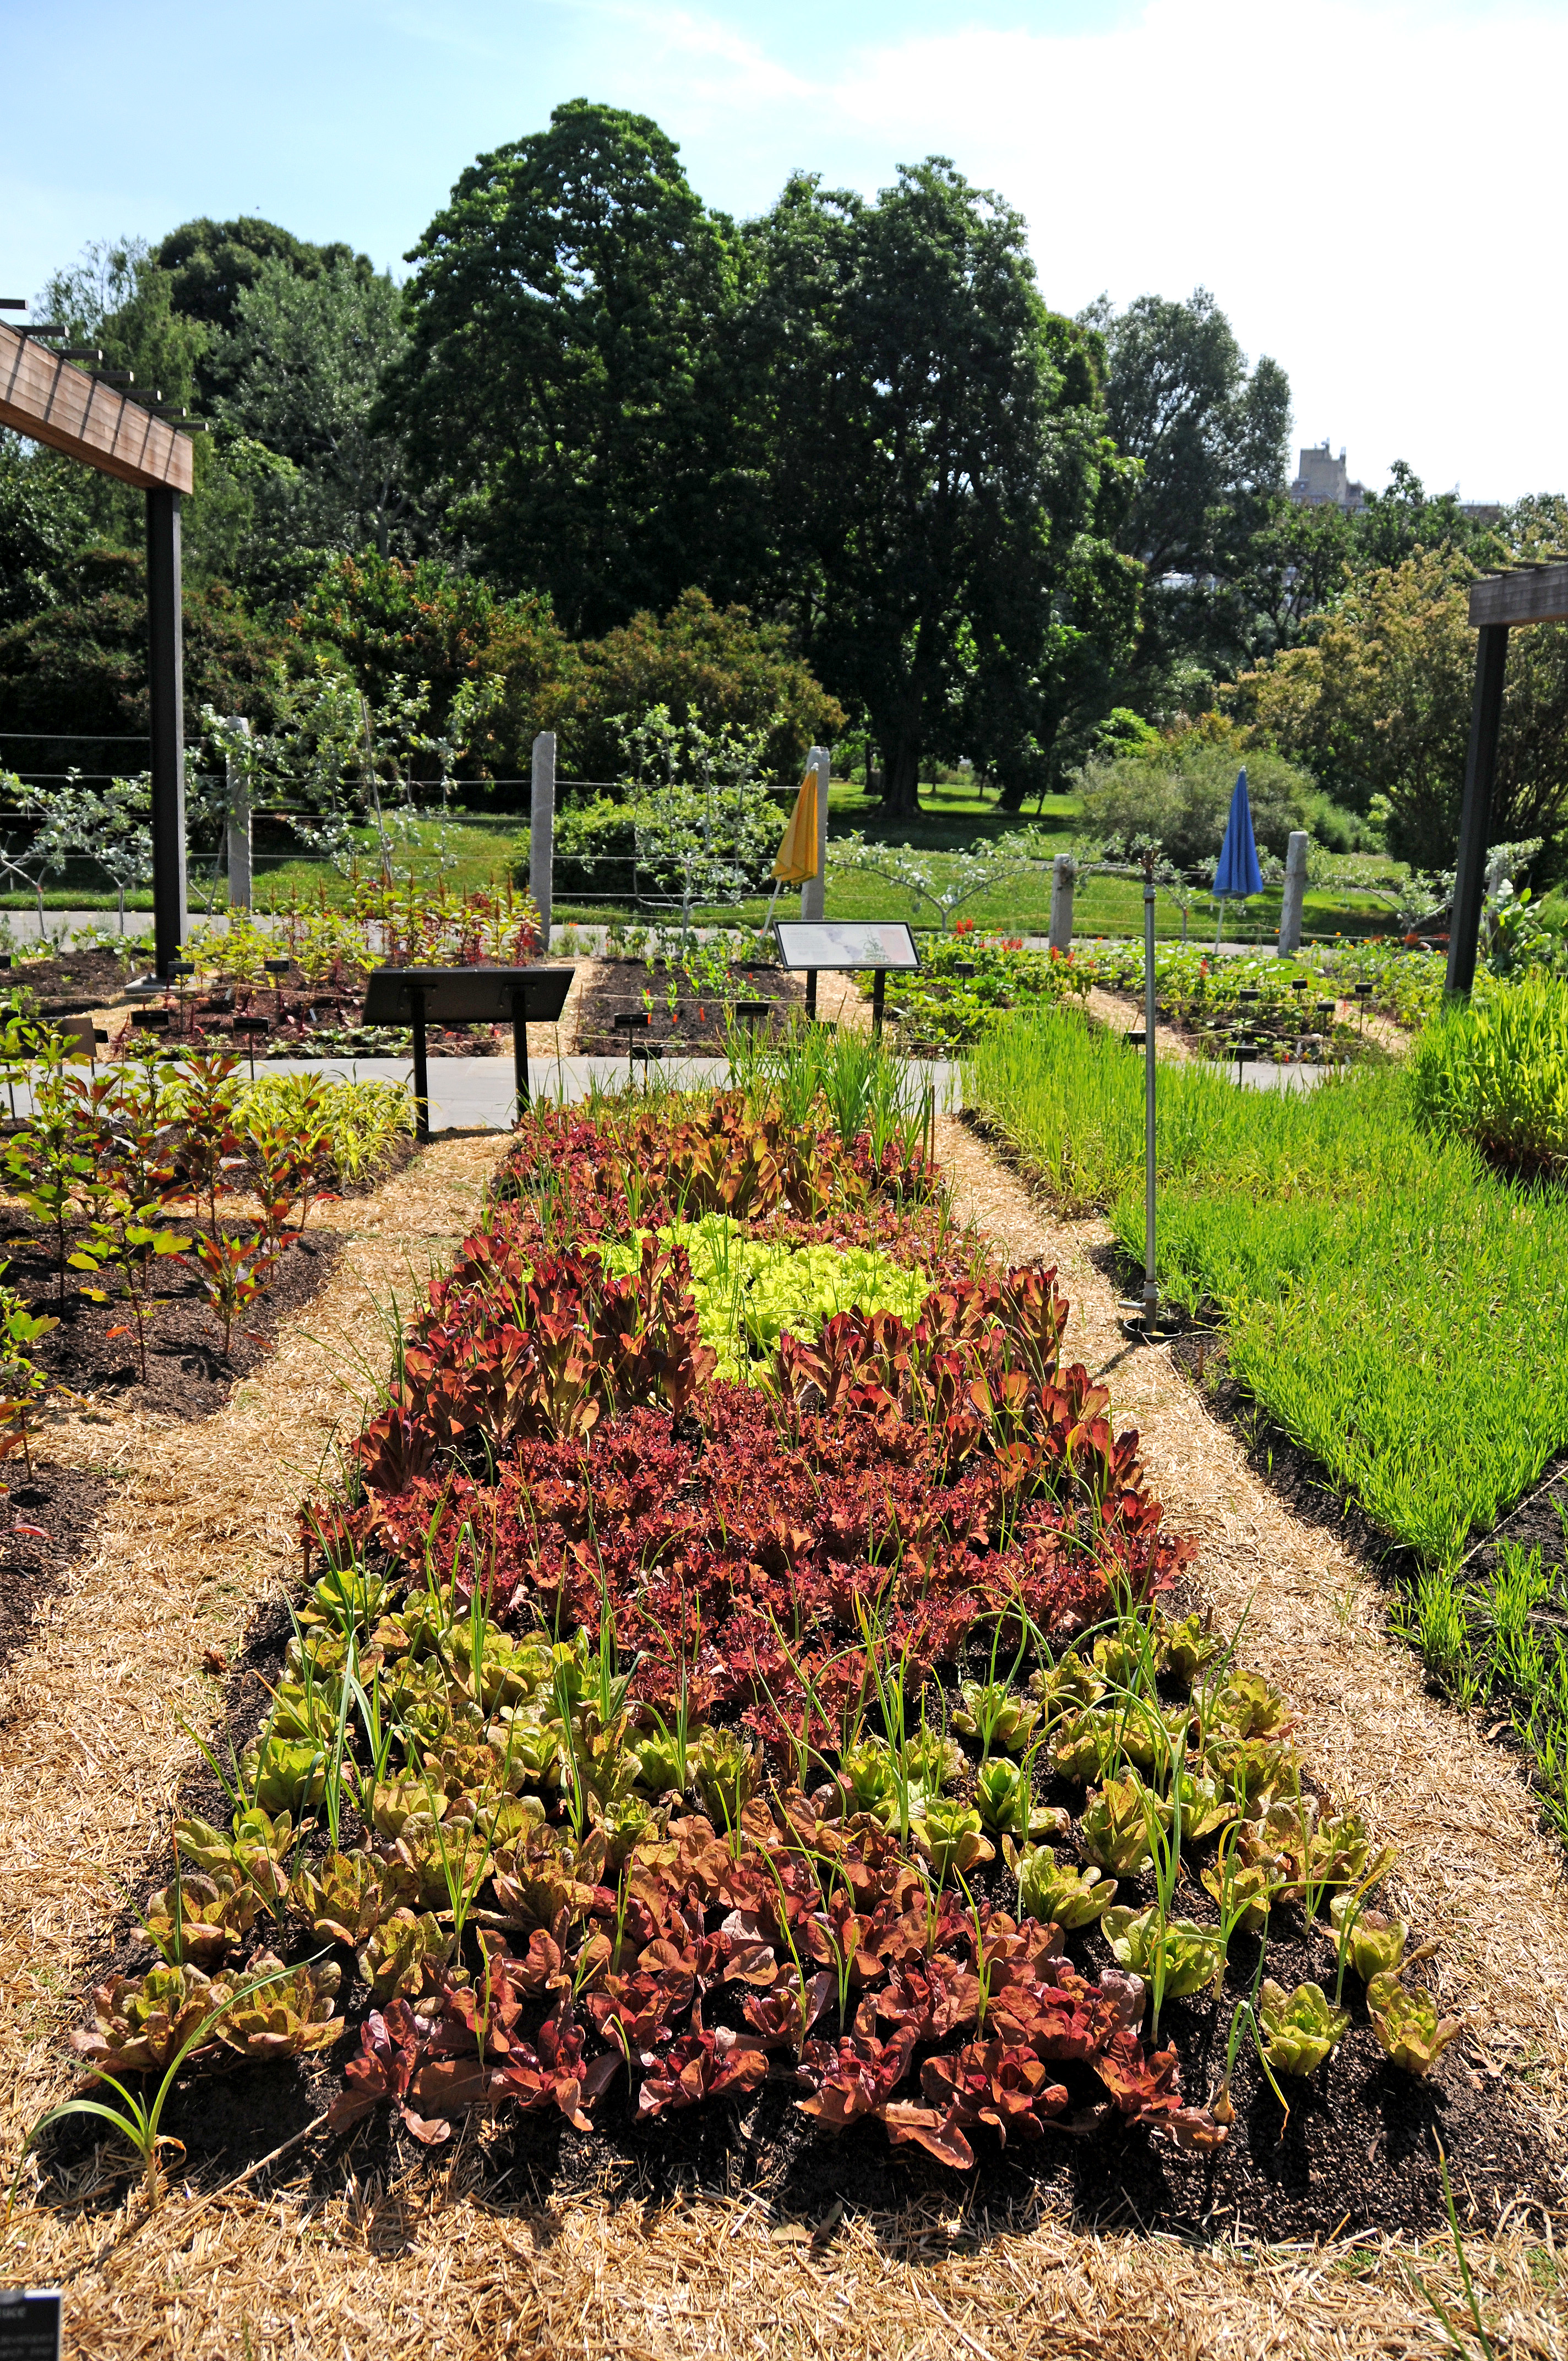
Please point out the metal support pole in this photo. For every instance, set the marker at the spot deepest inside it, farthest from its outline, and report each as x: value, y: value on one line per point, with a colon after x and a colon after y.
x: 1475, y: 815
x: 421, y: 1073
x: 520, y: 1046
x: 1151, y: 1285
x: 541, y: 835
x: 165, y: 684
x: 811, y: 995
x: 878, y: 994
x: 238, y: 831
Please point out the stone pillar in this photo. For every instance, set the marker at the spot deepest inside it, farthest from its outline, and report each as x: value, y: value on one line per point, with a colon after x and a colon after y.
x: 813, y: 894
x: 238, y: 830
x: 1064, y: 872
x: 1295, y: 891
x: 542, y: 834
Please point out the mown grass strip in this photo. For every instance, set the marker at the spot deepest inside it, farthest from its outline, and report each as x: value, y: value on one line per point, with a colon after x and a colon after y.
x: 1396, y: 1308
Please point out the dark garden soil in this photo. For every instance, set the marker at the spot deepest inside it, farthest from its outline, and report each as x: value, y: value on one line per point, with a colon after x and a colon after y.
x: 617, y: 988
x: 188, y: 1373
x: 75, y: 982
x: 1358, y: 2154
x: 48, y: 1520
x: 302, y: 1018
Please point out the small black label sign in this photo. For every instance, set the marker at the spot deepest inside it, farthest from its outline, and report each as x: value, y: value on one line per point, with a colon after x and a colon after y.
x: 29, y: 2324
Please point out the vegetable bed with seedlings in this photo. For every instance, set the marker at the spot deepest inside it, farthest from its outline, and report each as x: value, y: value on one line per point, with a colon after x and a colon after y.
x: 1267, y: 1007
x: 747, y: 1716
x: 684, y: 1005
x: 1392, y: 1309
x: 126, y: 1279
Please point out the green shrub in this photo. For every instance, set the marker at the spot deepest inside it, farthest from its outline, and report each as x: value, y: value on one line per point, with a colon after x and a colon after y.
x: 1496, y: 1071
x: 1180, y: 795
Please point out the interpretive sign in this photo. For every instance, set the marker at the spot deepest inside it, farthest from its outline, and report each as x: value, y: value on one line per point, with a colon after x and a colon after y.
x: 418, y: 997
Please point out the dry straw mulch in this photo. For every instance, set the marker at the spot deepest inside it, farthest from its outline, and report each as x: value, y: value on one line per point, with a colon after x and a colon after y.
x: 450, y: 2260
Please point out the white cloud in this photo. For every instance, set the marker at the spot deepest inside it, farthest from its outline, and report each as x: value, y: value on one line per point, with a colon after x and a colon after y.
x: 1363, y: 188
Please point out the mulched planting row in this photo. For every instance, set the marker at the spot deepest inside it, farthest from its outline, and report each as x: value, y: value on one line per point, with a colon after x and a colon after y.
x: 93, y: 1352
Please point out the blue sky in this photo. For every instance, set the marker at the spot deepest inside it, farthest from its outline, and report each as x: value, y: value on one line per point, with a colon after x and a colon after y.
x: 1319, y: 164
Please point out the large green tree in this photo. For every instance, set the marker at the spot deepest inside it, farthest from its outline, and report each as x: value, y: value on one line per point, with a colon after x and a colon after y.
x: 567, y: 397
x: 942, y: 488
x: 1212, y: 440
x: 82, y: 664
x: 1378, y: 704
x: 303, y: 364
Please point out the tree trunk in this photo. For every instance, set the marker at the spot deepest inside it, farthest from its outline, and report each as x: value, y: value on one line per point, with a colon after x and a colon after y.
x: 901, y: 779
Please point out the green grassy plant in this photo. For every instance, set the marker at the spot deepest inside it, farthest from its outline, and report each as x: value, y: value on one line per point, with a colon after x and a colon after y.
x: 1391, y: 1304
x: 1495, y: 1071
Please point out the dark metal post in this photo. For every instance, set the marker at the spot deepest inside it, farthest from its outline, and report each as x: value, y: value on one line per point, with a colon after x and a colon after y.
x: 422, y: 1076
x: 1476, y: 816
x: 165, y: 664
x: 519, y: 1045
x: 879, y: 993
x: 1151, y: 1285
x: 811, y: 995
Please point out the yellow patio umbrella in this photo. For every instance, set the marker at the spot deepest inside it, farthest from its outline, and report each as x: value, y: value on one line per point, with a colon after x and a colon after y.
x: 797, y: 854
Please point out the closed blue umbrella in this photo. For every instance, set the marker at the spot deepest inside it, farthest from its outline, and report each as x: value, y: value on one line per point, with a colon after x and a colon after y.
x: 1238, y: 872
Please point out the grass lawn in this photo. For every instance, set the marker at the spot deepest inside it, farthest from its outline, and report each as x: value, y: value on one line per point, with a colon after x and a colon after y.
x: 1390, y: 1303
x: 481, y: 846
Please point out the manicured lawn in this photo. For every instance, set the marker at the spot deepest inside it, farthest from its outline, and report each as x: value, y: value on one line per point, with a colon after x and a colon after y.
x: 479, y: 846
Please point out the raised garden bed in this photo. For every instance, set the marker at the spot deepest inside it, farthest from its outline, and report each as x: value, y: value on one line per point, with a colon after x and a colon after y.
x: 673, y: 1748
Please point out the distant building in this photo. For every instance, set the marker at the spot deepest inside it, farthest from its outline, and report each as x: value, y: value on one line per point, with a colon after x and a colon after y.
x: 1486, y: 513
x: 1321, y: 479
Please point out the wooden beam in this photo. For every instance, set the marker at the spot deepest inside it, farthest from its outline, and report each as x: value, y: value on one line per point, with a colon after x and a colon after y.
x: 1526, y: 594
x: 55, y: 403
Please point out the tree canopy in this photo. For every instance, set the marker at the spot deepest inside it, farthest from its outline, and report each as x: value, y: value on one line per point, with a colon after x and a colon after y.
x: 565, y: 395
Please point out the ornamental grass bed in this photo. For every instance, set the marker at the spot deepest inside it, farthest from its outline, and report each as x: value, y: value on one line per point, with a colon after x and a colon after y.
x: 743, y: 1718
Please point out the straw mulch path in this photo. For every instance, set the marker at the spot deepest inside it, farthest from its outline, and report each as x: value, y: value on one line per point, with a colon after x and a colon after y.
x: 452, y: 2263
x: 90, y: 1747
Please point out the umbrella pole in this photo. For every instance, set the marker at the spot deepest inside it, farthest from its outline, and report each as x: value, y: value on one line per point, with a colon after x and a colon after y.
x: 1218, y: 923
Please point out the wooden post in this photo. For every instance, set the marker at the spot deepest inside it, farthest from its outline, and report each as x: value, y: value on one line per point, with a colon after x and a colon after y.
x: 1064, y: 872
x: 167, y: 686
x: 238, y: 829
x: 1475, y: 815
x: 541, y: 835
x: 1294, y: 894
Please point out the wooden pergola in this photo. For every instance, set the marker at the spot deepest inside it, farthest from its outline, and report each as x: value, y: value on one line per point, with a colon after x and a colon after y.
x: 1521, y: 593
x: 46, y: 397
